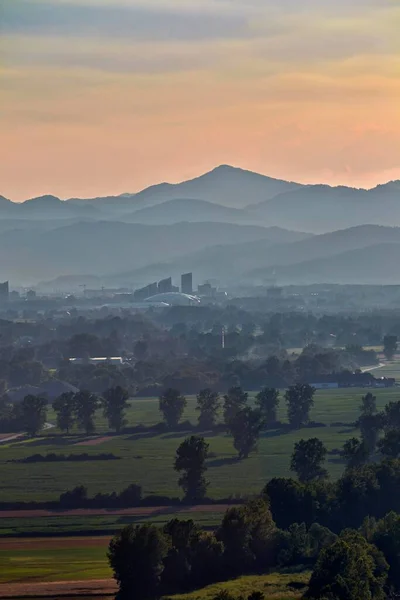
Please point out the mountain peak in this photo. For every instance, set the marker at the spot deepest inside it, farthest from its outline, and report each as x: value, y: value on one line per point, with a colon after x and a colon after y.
x: 45, y: 199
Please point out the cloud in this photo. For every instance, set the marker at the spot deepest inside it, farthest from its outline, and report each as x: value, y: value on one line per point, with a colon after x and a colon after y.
x: 136, y: 22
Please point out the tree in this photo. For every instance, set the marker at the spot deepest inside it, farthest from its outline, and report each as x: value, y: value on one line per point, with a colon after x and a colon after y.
x: 370, y: 426
x: 355, y: 453
x: 131, y: 496
x: 206, y: 558
x: 389, y: 446
x: 392, y: 415
x: 234, y: 401
x: 349, y: 569
x: 245, y: 429
x: 136, y: 556
x: 172, y: 404
x: 115, y: 402
x: 389, y: 346
x: 386, y: 537
x: 177, y: 564
x: 368, y: 405
x: 307, y: 458
x: 86, y: 406
x: 268, y: 401
x: 208, y: 406
x: 290, y: 502
x: 75, y: 498
x: 247, y: 532
x: 299, y: 399
x: 64, y: 407
x: 190, y: 458
x: 33, y: 412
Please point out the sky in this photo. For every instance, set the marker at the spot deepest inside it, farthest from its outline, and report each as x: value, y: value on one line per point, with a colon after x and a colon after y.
x: 102, y: 97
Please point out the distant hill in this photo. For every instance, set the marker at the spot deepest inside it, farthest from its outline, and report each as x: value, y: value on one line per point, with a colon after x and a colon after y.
x: 44, y: 207
x: 376, y: 264
x: 190, y: 210
x: 106, y: 247
x: 224, y: 262
x: 321, y: 208
x: 108, y: 204
x: 254, y: 261
x: 224, y: 185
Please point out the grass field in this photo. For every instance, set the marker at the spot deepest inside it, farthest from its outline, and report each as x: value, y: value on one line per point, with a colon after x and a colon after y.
x: 53, y: 560
x: 147, y: 456
x: 73, y: 525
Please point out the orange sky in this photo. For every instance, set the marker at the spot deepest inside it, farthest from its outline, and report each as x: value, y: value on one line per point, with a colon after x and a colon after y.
x: 102, y: 97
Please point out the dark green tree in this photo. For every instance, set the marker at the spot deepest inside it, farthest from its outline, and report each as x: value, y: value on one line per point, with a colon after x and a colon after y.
x: 136, y: 556
x: 115, y: 403
x: 349, y: 569
x: 86, y: 405
x: 386, y: 537
x: 389, y: 346
x: 171, y: 405
x: 206, y: 558
x: 234, y: 401
x: 247, y: 533
x: 392, y: 415
x: 370, y: 426
x: 245, y: 428
x: 307, y: 459
x: 190, y: 460
x: 368, y: 405
x: 319, y: 537
x: 177, y: 564
x: 64, y: 407
x: 355, y: 453
x: 290, y: 502
x: 268, y: 401
x: 389, y: 445
x: 208, y: 406
x: 299, y: 399
x: 33, y: 413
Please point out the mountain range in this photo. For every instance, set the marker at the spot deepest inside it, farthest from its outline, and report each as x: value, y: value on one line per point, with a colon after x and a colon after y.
x: 229, y: 224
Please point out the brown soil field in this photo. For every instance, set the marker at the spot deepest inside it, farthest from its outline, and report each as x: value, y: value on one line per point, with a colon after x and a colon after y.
x: 133, y: 512
x: 53, y: 543
x: 8, y: 437
x: 59, y: 589
x: 94, y: 441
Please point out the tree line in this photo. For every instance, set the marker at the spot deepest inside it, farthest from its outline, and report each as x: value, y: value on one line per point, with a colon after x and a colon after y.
x: 355, y: 564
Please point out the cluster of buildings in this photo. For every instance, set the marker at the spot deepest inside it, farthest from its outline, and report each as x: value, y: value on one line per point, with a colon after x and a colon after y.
x: 165, y: 286
x: 7, y: 296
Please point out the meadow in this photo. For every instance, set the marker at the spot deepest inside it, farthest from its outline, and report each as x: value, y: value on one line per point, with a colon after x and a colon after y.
x: 147, y: 455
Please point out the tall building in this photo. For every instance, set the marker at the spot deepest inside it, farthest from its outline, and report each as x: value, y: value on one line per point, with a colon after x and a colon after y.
x: 146, y: 292
x: 4, y: 292
x: 187, y: 283
x: 165, y: 286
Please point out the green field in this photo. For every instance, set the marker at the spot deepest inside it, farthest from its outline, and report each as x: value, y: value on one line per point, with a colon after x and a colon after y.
x: 147, y: 456
x: 39, y: 564
x: 74, y: 525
